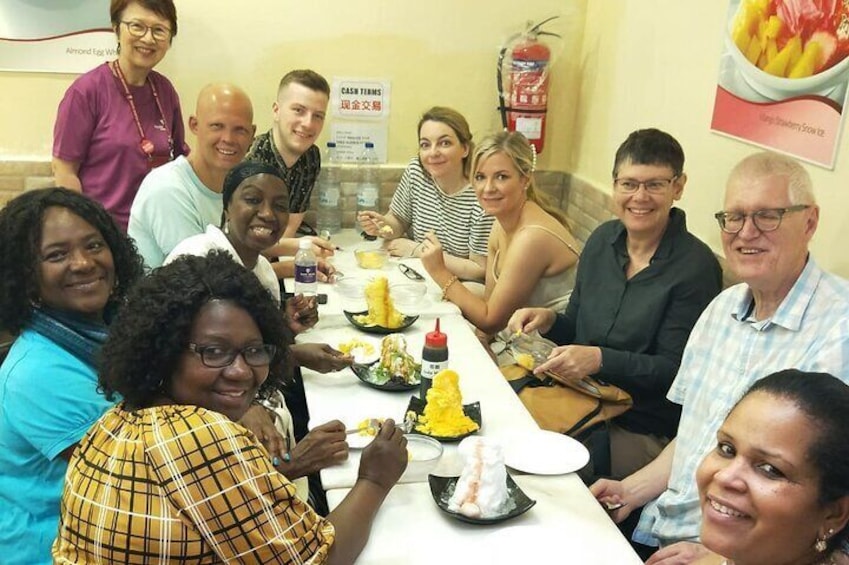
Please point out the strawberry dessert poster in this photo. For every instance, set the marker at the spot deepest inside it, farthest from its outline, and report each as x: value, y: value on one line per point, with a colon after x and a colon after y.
x: 783, y: 76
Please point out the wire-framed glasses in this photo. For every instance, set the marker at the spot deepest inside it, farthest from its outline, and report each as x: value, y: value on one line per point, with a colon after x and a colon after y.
x: 410, y: 272
x: 138, y: 29
x: 217, y: 356
x: 767, y: 219
x: 652, y: 186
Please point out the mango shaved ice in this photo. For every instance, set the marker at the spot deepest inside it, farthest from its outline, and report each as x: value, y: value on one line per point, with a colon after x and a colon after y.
x: 443, y: 414
x: 381, y: 309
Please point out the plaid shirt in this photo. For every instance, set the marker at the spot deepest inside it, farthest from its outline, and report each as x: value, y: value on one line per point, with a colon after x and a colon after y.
x: 300, y: 179
x: 729, y: 350
x: 181, y: 484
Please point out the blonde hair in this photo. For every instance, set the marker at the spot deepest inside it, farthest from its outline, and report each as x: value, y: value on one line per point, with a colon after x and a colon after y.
x: 521, y: 153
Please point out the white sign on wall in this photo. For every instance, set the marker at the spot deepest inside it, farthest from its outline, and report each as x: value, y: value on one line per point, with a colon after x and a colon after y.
x: 55, y: 35
x: 351, y: 137
x: 360, y: 98
x: 360, y: 110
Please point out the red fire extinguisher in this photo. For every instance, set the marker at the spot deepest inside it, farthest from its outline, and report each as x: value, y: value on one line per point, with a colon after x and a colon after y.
x: 527, y: 103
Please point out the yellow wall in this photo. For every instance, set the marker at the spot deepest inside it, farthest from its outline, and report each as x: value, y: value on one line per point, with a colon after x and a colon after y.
x: 437, y: 52
x: 623, y: 65
x: 654, y: 63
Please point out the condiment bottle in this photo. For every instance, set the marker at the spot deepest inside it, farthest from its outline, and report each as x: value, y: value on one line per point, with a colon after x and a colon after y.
x: 434, y: 358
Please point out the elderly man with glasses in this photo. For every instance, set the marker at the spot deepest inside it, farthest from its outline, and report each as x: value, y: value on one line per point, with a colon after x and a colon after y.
x: 787, y: 312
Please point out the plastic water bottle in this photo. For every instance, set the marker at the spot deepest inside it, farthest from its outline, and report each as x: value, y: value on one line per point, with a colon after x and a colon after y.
x: 329, y: 212
x: 306, y: 269
x: 368, y: 192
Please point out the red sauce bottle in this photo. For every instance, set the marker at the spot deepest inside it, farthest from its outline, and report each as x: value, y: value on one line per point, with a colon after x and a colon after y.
x: 434, y: 358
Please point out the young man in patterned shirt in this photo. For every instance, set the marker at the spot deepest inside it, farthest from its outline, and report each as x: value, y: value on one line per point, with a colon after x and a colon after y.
x: 289, y: 145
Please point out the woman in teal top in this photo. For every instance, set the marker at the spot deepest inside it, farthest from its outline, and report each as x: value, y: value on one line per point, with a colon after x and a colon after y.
x: 65, y: 266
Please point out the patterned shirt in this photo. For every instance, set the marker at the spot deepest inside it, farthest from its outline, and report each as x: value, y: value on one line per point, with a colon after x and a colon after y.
x: 181, y: 484
x: 300, y: 179
x: 457, y: 219
x: 729, y: 350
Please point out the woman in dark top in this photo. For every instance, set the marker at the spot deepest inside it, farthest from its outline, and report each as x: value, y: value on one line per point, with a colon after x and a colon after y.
x: 643, y: 280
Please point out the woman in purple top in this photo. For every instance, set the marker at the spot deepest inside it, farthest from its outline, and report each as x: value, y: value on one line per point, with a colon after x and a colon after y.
x: 121, y: 119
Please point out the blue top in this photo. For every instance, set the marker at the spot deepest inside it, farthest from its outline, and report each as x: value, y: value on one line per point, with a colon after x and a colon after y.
x: 48, y: 401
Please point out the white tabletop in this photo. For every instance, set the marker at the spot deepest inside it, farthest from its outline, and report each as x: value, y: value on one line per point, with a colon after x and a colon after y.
x: 344, y: 397
x: 565, y: 526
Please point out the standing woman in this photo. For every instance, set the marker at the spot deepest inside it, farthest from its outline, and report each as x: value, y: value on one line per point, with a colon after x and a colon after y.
x: 121, y: 119
x: 532, y: 254
x: 434, y: 196
x: 66, y: 266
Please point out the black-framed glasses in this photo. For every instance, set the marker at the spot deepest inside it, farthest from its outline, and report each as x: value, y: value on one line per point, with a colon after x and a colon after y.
x: 217, y: 356
x: 410, y: 272
x: 765, y: 220
x: 138, y: 29
x: 652, y: 186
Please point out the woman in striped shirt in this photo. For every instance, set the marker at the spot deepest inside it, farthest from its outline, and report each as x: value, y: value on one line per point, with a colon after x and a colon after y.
x: 435, y: 197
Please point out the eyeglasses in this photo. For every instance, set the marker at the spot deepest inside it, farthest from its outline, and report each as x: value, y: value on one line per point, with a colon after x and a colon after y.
x: 410, y: 272
x: 765, y: 220
x: 138, y: 29
x: 216, y: 356
x: 653, y: 186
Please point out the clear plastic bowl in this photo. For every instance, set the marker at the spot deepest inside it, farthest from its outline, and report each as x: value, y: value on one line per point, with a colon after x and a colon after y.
x: 371, y: 257
x: 352, y: 292
x: 423, y: 455
x: 409, y: 298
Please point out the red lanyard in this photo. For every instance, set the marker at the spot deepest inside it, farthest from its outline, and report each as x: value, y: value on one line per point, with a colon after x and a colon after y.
x: 145, y: 144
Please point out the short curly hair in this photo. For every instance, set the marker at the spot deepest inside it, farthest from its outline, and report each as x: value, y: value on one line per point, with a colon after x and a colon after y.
x: 21, y: 224
x: 153, y: 328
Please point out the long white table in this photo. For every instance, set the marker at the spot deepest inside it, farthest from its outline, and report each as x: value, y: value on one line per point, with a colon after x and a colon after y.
x: 566, y: 520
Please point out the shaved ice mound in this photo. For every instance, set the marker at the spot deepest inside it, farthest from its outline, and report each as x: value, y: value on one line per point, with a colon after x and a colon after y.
x: 481, y: 490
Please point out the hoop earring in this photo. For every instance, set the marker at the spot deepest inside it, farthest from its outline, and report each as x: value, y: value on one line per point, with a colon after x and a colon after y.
x: 226, y: 227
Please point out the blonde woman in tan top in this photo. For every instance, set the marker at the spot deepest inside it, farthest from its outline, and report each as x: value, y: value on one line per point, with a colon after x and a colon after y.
x: 532, y: 254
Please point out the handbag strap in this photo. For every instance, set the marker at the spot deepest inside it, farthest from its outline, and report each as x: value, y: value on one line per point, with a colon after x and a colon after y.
x: 530, y: 381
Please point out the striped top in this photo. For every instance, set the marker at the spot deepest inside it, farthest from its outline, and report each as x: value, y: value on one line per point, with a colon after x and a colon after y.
x: 181, y: 484
x: 457, y: 219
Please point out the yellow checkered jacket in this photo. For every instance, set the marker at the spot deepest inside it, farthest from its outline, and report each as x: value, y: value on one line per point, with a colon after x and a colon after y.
x: 181, y: 484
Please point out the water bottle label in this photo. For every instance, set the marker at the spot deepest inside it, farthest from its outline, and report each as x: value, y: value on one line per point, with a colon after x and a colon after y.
x: 367, y: 197
x: 329, y: 197
x: 305, y: 274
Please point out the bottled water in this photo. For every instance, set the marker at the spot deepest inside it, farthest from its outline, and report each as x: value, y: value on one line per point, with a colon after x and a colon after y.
x: 306, y: 269
x: 329, y: 219
x: 368, y: 191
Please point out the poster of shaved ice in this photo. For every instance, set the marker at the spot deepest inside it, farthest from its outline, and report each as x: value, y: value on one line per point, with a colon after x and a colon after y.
x: 58, y: 36
x: 783, y: 76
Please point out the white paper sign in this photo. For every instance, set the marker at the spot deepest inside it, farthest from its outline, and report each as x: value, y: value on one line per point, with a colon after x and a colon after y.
x: 360, y: 98
x: 351, y: 136
x: 55, y: 35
